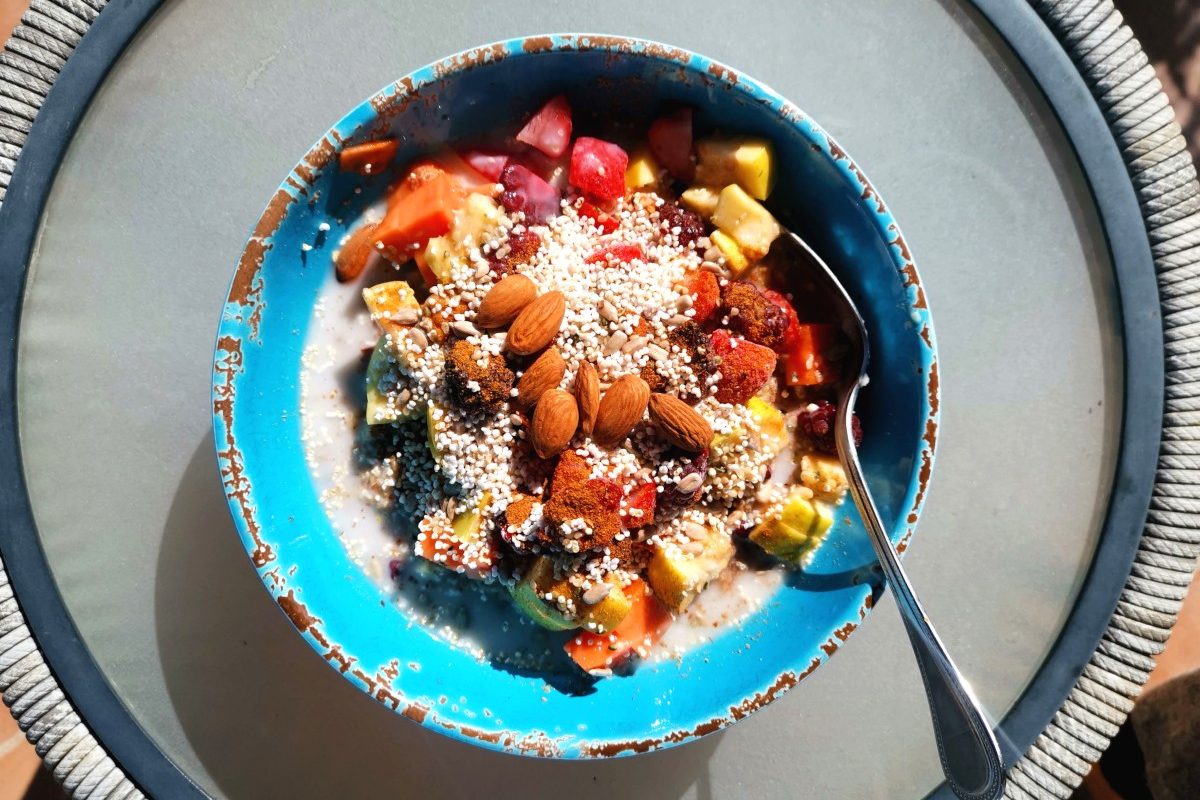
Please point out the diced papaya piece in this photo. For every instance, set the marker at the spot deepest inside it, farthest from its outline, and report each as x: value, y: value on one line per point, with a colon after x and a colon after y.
x: 419, y: 216
x: 368, y: 157
x: 804, y: 362
x: 642, y: 626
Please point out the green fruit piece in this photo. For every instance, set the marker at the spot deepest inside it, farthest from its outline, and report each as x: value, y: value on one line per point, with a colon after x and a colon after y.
x: 797, y: 532
x: 431, y: 427
x: 379, y: 367
x: 466, y: 524
x: 529, y: 596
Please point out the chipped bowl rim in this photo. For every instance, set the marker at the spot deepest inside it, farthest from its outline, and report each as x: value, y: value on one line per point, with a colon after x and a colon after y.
x: 243, y: 308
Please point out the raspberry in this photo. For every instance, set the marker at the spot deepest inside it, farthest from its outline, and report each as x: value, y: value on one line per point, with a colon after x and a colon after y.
x: 745, y: 367
x: 691, y: 227
x: 818, y: 425
x: 758, y: 318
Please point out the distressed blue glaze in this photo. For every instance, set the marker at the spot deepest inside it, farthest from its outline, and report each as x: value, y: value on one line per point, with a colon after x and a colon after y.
x: 338, y: 608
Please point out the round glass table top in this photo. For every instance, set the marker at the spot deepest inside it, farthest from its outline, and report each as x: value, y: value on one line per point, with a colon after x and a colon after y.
x: 170, y: 168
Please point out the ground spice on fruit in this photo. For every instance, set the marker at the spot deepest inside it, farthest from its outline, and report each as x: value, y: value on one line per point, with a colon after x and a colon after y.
x: 475, y: 388
x: 574, y: 496
x: 518, y: 510
x: 521, y: 248
x: 693, y: 340
x: 753, y: 315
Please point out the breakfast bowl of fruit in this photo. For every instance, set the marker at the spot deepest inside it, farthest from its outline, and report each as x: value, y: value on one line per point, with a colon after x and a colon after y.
x: 527, y: 424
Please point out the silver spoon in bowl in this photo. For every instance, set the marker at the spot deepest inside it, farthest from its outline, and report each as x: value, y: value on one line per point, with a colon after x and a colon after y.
x: 967, y: 746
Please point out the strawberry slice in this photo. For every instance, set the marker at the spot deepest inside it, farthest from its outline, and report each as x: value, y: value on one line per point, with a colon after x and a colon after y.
x: 619, y: 253
x: 670, y: 139
x: 606, y: 222
x: 640, y: 498
x: 745, y: 367
x: 706, y: 296
x: 488, y: 163
x: 598, y: 168
x: 524, y: 191
x: 550, y: 128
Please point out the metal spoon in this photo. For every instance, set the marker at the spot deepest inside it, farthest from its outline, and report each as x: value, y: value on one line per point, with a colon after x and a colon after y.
x: 967, y: 747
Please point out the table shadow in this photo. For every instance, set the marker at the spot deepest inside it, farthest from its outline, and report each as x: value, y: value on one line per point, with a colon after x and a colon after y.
x: 265, y: 717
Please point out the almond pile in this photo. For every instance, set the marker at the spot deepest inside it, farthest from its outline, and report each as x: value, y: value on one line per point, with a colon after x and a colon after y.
x: 534, y: 321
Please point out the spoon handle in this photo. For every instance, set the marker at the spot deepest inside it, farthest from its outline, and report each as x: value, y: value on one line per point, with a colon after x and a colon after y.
x: 966, y: 744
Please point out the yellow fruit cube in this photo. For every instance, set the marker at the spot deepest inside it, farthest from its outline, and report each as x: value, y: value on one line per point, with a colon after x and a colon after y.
x: 797, y: 531
x: 824, y: 476
x: 392, y: 305
x: 476, y: 222
x: 701, y: 199
x: 772, y: 427
x: 746, y: 220
x: 748, y: 162
x: 467, y: 524
x: 608, y: 613
x: 642, y: 171
x: 441, y: 257
x: 735, y: 259
x: 677, y: 577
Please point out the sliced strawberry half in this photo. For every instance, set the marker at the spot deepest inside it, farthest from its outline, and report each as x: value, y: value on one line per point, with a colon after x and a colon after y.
x: 598, y: 168
x: 550, y: 128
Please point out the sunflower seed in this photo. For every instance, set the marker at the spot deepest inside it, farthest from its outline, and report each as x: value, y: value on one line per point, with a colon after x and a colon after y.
x: 418, y: 337
x: 406, y: 316
x: 657, y: 352
x: 713, y: 267
x: 464, y: 328
x: 616, y: 342
x: 483, y: 271
x: 684, y: 302
x: 596, y: 593
x: 689, y: 483
x: 403, y: 396
x: 693, y: 548
x: 679, y: 319
x: 635, y: 344
x: 609, y: 311
x: 696, y: 531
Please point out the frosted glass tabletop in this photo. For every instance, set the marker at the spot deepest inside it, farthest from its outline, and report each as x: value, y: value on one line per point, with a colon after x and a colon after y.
x: 187, y: 138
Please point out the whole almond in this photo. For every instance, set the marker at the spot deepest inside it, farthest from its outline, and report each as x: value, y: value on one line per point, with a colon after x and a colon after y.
x: 554, y: 422
x: 505, y: 301
x: 543, y: 375
x: 622, y: 407
x: 356, y: 253
x: 587, y: 394
x: 537, y: 324
x: 680, y: 424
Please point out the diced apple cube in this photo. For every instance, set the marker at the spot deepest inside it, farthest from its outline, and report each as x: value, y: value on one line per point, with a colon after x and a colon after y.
x: 701, y: 199
x: 748, y: 162
x: 735, y: 259
x: 441, y: 258
x: 677, y: 578
x: 476, y: 222
x: 393, y: 305
x: 746, y: 220
x: 382, y: 385
x: 608, y: 613
x: 642, y: 171
x: 795, y: 533
x: 824, y: 476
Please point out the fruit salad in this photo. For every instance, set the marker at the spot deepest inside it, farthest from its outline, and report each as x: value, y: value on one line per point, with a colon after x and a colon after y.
x: 595, y: 383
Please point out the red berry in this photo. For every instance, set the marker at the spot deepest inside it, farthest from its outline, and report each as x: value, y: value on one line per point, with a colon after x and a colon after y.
x: 792, y: 331
x: 818, y: 425
x: 598, y: 168
x: 550, y: 128
x: 670, y: 140
x: 691, y: 227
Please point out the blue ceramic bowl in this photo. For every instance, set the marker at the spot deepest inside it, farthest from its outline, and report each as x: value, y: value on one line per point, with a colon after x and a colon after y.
x: 344, y: 615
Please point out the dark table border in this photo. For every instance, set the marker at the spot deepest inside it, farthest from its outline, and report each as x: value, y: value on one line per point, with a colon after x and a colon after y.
x: 1112, y: 191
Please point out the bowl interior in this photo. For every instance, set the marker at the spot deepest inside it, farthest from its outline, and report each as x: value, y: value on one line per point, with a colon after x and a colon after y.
x: 345, y: 616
